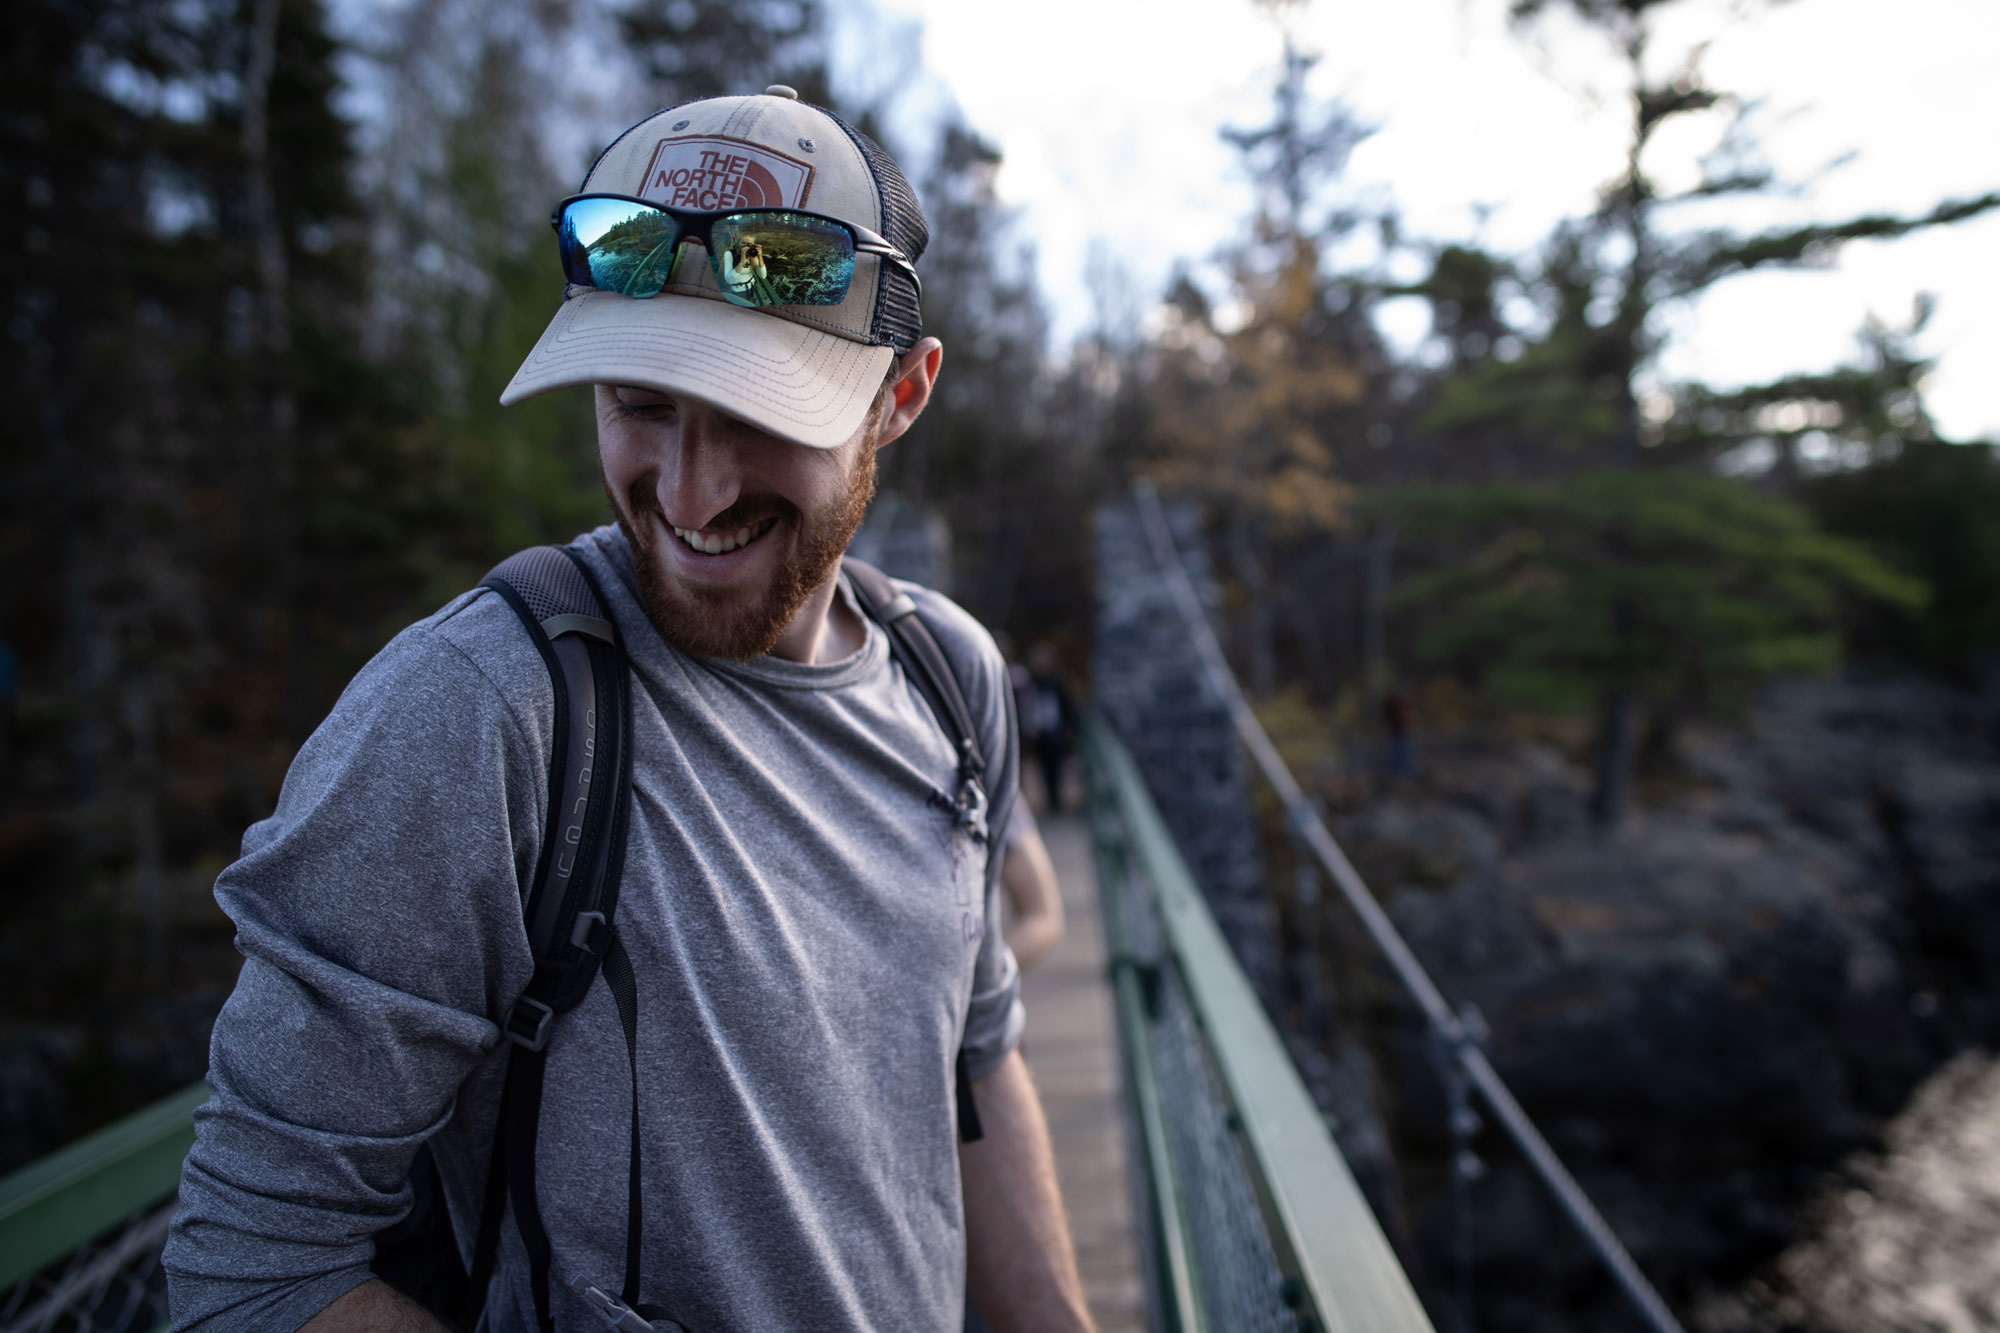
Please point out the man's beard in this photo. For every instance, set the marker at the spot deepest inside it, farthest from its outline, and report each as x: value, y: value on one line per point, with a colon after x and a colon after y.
x: 732, y: 623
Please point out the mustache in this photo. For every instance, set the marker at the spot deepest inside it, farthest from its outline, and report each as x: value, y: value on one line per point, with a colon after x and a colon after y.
x: 748, y: 510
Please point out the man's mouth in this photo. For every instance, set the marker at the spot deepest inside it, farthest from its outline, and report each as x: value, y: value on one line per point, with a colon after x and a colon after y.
x: 719, y: 543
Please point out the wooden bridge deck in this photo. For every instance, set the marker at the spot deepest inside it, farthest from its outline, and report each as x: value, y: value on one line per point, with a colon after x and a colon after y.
x: 1072, y: 1048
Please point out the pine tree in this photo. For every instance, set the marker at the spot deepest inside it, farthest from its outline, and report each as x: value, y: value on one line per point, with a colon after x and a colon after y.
x: 706, y: 48
x: 462, y: 174
x: 1928, y: 508
x: 983, y: 454
x: 1686, y: 588
x: 1575, y: 386
x: 185, y: 377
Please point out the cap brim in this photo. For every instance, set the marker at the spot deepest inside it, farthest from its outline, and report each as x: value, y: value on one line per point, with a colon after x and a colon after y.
x: 796, y: 382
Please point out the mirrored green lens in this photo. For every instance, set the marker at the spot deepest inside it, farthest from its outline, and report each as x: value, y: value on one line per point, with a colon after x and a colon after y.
x: 616, y: 245
x: 777, y: 258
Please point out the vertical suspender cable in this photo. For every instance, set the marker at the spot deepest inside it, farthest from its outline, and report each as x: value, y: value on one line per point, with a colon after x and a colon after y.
x: 1444, y: 1023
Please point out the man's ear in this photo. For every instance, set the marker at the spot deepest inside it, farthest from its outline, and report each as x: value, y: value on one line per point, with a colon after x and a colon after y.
x: 916, y: 375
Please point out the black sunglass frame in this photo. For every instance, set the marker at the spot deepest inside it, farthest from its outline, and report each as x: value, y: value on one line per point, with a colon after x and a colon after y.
x: 866, y: 242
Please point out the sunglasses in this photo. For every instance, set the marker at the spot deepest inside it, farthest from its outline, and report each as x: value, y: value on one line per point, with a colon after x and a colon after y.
x: 760, y: 256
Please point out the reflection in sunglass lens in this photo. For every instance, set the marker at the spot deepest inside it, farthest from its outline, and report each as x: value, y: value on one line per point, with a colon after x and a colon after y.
x: 776, y: 258
x: 616, y: 245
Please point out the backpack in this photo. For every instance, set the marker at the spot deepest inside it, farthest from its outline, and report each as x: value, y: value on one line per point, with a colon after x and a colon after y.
x: 570, y: 911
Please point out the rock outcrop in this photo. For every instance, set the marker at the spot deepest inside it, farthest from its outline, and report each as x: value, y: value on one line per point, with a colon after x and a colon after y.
x: 1704, y: 1010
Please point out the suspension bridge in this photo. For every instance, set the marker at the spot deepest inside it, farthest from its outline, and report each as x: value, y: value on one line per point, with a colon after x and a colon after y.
x: 1206, y: 1186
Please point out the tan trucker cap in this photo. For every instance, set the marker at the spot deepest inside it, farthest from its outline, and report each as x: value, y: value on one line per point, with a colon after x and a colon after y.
x: 803, y: 373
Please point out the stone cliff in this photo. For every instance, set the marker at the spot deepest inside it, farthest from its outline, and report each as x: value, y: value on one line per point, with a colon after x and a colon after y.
x: 1705, y: 1010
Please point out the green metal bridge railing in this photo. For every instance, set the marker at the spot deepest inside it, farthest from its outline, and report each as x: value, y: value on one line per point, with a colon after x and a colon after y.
x: 81, y: 1229
x: 1253, y: 1220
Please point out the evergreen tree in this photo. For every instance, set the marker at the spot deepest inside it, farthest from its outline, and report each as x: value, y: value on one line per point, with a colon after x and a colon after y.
x: 1689, y: 589
x: 1510, y: 405
x: 985, y: 454
x: 462, y: 176
x: 149, y: 363
x: 1929, y: 509
x: 1639, y: 263
x: 1603, y: 280
x: 1781, y: 431
x: 184, y: 390
x: 704, y: 48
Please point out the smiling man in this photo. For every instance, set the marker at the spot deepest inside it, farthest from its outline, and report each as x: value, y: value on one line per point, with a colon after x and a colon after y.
x: 757, y: 576
x: 766, y: 1124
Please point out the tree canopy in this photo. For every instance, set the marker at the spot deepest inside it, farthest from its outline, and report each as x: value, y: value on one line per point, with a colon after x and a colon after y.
x: 1720, y: 587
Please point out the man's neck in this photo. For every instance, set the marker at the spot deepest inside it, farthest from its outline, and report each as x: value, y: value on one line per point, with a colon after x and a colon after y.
x: 824, y: 629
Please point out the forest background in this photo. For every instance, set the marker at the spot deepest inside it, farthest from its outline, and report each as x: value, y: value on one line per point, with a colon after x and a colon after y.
x: 266, y: 286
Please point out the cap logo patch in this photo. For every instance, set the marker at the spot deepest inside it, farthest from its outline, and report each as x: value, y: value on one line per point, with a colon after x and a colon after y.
x: 714, y: 173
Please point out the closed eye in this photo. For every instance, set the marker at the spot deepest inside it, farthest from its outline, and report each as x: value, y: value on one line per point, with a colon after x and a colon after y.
x: 648, y: 408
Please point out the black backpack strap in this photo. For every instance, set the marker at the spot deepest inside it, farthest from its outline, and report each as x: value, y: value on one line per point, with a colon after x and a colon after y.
x: 969, y: 1128
x: 570, y: 905
x: 917, y: 648
x: 913, y: 644
x: 618, y: 975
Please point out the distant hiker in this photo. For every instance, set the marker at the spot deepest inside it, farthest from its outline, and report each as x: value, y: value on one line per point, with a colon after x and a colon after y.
x: 1048, y: 721
x: 636, y: 914
x: 1397, y: 717
x: 1019, y: 677
x: 1027, y: 876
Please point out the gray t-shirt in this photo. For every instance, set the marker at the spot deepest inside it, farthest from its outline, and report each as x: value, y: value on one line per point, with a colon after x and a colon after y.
x: 814, y: 940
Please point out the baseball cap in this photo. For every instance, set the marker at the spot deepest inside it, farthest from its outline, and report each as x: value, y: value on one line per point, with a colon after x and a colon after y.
x: 803, y: 373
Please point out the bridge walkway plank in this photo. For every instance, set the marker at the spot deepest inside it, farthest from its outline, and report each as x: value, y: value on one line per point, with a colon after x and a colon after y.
x: 1071, y: 1047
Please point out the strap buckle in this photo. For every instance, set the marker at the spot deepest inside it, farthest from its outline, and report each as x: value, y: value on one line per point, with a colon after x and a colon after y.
x: 591, y: 933
x: 971, y: 807
x: 528, y: 1025
x: 620, y: 1315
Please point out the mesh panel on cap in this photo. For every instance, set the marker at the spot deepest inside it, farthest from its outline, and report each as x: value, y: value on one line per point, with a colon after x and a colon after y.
x: 899, y: 315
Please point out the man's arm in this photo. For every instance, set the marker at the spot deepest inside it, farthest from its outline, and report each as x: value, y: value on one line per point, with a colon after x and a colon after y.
x: 1019, y: 1261
x: 1029, y: 879
x: 374, y: 1307
x: 381, y: 931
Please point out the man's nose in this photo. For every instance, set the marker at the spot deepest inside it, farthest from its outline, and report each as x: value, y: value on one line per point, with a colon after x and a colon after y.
x: 700, y: 475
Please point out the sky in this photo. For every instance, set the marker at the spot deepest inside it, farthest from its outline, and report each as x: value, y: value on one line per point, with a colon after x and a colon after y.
x: 1107, y: 113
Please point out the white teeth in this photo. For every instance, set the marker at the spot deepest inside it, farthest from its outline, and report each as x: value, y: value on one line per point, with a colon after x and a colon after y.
x: 716, y: 544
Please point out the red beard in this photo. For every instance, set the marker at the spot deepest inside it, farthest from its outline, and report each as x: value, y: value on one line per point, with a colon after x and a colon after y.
x: 707, y: 622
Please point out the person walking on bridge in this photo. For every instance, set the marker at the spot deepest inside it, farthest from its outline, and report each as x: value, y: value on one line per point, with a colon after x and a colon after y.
x: 792, y: 1098
x: 1049, y: 720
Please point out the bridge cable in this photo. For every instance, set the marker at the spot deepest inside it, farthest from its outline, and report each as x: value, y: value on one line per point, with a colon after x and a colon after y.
x: 1448, y: 1028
